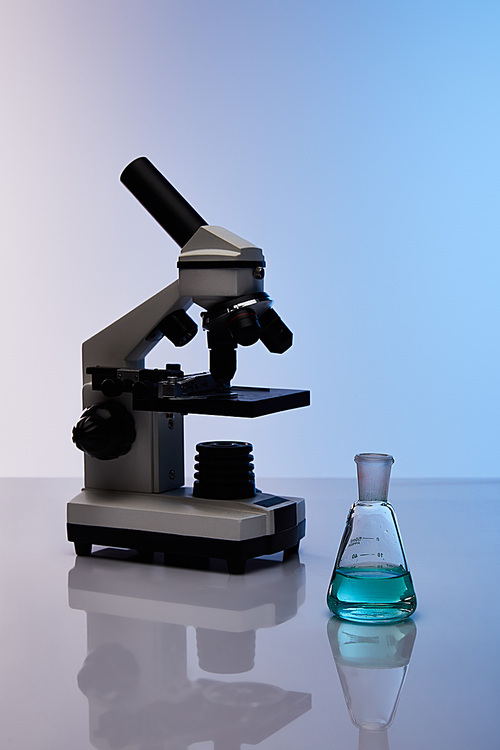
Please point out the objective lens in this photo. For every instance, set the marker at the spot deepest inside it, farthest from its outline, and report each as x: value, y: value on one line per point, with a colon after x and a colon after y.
x: 244, y: 326
x: 273, y: 332
x: 178, y: 327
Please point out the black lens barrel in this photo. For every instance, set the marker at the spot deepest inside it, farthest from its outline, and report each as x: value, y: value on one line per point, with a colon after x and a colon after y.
x: 178, y: 327
x: 165, y: 204
x: 244, y: 326
x: 274, y: 334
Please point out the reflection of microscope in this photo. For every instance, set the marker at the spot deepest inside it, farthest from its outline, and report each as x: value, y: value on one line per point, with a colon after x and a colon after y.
x: 138, y: 675
x: 372, y: 661
x: 131, y: 430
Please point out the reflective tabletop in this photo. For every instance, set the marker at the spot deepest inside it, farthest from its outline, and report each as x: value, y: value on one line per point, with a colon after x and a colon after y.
x: 116, y: 651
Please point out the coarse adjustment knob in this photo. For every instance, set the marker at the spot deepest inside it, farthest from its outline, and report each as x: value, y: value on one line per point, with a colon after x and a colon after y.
x: 105, y: 430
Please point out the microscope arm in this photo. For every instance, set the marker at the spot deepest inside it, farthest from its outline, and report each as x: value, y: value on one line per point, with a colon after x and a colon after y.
x: 126, y: 342
x: 129, y: 339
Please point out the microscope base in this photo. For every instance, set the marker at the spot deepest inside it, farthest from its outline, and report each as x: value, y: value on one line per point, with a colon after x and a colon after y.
x: 176, y: 523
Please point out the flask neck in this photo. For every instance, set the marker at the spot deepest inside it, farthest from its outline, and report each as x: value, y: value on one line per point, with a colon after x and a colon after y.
x: 371, y: 501
x: 374, y: 473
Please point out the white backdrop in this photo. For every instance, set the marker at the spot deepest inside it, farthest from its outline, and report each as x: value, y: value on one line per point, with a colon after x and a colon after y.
x: 357, y: 143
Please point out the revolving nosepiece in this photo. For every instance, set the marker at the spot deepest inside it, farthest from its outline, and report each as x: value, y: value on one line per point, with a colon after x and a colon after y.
x: 247, y: 319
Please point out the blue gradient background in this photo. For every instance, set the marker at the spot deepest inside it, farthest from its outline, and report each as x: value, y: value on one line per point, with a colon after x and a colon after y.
x: 356, y: 142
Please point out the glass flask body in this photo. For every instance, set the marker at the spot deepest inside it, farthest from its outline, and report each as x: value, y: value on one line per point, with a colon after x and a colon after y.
x: 371, y: 581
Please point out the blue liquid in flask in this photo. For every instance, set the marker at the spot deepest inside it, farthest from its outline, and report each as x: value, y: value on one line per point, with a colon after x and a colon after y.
x: 372, y: 594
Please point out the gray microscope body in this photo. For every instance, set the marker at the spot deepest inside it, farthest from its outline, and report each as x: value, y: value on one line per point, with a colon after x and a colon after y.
x: 131, y: 429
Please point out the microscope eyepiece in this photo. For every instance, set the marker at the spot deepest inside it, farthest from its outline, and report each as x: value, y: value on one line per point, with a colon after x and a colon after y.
x: 165, y: 204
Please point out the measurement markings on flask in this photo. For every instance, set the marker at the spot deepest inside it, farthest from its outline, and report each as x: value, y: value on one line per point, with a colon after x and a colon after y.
x: 367, y: 554
x: 357, y: 540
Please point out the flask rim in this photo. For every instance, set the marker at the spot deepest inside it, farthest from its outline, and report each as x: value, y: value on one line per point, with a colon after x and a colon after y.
x: 372, y: 458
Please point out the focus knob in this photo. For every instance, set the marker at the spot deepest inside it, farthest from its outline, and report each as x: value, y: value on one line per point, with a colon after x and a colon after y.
x: 105, y: 430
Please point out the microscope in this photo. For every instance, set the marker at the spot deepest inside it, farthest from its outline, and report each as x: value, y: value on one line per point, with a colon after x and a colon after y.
x: 131, y: 428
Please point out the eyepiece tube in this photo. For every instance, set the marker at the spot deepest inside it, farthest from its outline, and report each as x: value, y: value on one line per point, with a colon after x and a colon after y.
x: 161, y: 199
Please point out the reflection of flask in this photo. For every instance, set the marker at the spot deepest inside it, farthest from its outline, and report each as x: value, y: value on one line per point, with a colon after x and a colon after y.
x: 372, y: 661
x: 371, y: 580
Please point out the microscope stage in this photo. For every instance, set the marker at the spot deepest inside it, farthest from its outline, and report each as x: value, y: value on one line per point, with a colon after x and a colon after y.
x: 179, y: 524
x: 240, y: 401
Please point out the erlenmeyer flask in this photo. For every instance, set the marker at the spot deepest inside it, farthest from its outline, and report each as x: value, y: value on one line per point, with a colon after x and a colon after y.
x: 371, y: 581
